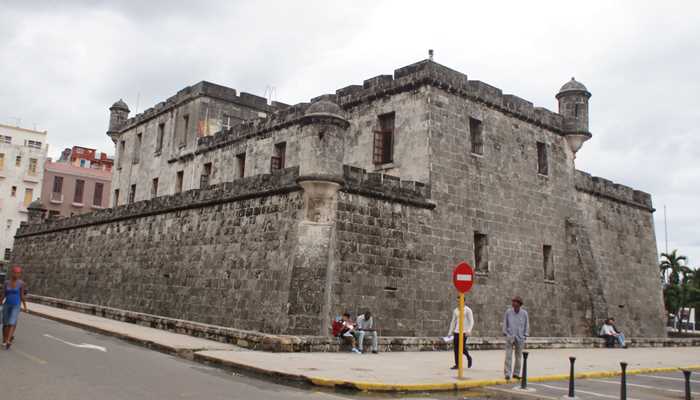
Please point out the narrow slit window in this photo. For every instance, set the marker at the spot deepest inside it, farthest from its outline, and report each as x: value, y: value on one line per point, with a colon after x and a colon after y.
x: 542, y: 159
x: 278, y: 157
x: 159, y: 137
x: 154, y: 188
x: 116, y: 197
x: 383, y: 151
x: 548, y: 262
x: 178, y: 181
x: 137, y: 149
x: 206, y: 175
x: 476, y: 136
x: 481, y: 252
x: 241, y: 165
x: 132, y: 194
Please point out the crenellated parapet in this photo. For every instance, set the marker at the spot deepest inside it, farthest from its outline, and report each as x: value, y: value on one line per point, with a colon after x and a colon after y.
x: 207, y: 89
x: 386, y: 187
x: 607, y: 189
x: 428, y: 72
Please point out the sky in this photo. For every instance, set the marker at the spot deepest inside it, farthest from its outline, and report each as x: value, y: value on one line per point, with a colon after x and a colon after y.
x: 63, y: 63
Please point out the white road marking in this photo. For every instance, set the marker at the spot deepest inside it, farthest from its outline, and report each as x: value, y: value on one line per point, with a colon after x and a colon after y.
x: 582, y: 391
x: 637, y: 385
x: 81, y: 346
x: 668, y: 378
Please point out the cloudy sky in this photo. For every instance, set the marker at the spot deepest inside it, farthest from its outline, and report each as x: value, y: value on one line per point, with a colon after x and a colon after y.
x: 62, y: 63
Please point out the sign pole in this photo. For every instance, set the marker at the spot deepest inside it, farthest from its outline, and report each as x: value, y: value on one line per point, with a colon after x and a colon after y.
x: 460, y: 363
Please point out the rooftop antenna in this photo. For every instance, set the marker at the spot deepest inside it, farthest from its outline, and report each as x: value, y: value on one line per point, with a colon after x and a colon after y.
x: 138, y: 98
x: 666, y: 228
x: 430, y: 54
x: 269, y: 93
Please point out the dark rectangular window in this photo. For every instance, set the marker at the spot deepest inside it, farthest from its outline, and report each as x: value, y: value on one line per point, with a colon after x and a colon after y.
x: 79, y: 186
x: 542, y: 162
x: 278, y: 157
x: 8, y: 254
x: 206, y: 175
x: 97, y: 196
x: 241, y: 165
x: 58, y: 184
x: 159, y: 137
x: 137, y: 149
x: 383, y: 150
x: 178, y: 181
x: 154, y: 188
x: 548, y: 262
x: 481, y: 252
x: 476, y: 136
x: 132, y: 194
x: 120, y: 156
x: 185, y: 130
x: 116, y: 197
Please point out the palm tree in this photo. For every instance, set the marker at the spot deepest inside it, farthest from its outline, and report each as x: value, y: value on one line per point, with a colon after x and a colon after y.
x: 676, y: 276
x: 672, y: 267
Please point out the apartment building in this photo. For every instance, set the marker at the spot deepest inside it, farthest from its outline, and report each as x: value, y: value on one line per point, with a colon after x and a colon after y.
x: 70, y: 189
x: 22, y: 157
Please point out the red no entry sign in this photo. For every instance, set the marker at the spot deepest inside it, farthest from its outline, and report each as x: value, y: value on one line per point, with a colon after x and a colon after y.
x: 463, y: 277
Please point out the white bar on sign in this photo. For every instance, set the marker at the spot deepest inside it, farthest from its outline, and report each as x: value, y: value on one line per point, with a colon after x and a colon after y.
x: 464, y: 277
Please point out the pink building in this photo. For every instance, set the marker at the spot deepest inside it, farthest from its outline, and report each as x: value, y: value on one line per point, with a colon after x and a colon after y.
x: 68, y: 189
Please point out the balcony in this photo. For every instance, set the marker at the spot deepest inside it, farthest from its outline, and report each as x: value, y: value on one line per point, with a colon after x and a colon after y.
x: 56, y: 198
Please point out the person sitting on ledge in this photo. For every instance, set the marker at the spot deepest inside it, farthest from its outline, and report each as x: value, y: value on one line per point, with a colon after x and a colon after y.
x: 345, y: 329
x: 611, y: 335
x: 365, y: 327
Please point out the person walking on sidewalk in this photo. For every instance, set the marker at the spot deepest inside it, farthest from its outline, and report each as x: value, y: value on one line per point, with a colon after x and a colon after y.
x: 454, y: 332
x: 516, y: 328
x: 12, y: 296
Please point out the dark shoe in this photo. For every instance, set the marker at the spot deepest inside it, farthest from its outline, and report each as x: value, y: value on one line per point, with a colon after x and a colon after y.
x: 469, y: 362
x: 454, y: 367
x: 375, y: 352
x: 507, y: 378
x: 516, y: 377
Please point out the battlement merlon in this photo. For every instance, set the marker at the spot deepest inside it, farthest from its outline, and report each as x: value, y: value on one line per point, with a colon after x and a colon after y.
x: 607, y: 189
x: 428, y: 72
x: 204, y: 89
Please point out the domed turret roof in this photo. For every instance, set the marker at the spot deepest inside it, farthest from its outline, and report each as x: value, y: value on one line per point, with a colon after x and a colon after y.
x: 324, y: 107
x: 573, y: 86
x: 120, y: 105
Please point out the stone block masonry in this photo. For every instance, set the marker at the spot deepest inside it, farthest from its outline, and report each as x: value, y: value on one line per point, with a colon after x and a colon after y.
x: 361, y: 200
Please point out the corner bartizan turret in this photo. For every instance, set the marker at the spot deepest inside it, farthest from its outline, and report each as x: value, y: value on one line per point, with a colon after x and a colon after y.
x: 118, y: 114
x: 573, y: 106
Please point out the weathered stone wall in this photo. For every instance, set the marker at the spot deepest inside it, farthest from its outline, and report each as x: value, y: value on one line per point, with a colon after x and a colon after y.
x: 620, y: 228
x: 222, y: 256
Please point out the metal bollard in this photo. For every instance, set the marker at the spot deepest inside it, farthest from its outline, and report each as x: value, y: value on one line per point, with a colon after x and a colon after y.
x: 687, y: 384
x: 523, y: 379
x: 623, y: 383
x: 572, y: 360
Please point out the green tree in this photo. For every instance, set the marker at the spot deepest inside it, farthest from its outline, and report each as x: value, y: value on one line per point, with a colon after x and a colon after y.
x: 679, y: 283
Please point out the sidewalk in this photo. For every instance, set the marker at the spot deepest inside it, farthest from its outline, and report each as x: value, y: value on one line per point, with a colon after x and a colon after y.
x: 397, y: 371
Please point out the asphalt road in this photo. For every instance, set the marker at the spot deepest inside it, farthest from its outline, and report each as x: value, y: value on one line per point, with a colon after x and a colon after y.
x: 54, y: 361
x: 652, y: 386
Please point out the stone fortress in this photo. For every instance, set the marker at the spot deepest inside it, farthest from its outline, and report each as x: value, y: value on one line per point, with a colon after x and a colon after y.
x: 274, y: 218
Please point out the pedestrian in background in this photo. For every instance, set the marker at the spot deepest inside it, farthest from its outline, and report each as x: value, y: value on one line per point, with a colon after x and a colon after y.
x: 516, y: 328
x: 454, y: 332
x: 365, y: 327
x: 12, y: 296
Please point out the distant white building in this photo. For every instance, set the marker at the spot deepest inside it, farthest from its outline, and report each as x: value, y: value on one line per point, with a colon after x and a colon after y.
x: 22, y: 156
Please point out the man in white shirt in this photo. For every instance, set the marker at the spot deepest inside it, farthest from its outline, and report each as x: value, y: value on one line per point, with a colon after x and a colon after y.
x: 365, y: 327
x: 611, y: 335
x: 454, y: 332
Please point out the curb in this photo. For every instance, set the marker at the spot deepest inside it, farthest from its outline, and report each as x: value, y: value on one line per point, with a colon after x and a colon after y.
x: 339, y: 384
x: 183, y: 353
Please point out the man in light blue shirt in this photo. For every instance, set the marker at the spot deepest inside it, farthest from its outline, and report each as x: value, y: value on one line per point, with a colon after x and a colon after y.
x: 516, y: 328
